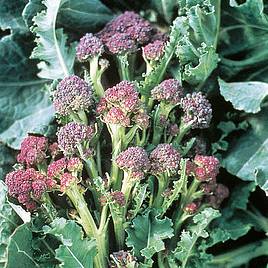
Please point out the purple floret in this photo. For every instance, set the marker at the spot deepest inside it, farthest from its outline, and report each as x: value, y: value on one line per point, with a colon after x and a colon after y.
x: 134, y: 159
x: 121, y: 43
x: 73, y: 94
x: 128, y: 23
x: 197, y: 110
x: 89, y: 46
x: 154, y: 51
x: 164, y: 158
x: 72, y: 135
x: 169, y: 90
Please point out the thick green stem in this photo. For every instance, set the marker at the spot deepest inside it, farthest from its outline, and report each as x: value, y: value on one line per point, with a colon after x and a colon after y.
x: 162, y: 184
x: 161, y: 113
x: 117, y: 135
x: 95, y: 75
x: 88, y: 223
x: 182, y: 132
x: 241, y: 255
x: 48, y: 206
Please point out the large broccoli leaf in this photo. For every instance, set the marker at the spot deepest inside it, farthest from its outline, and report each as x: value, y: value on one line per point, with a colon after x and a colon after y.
x: 147, y: 232
x: 24, y: 107
x: 74, y: 250
x: 10, y: 15
x: 247, y: 156
x: 56, y: 57
x: 76, y: 16
x: 244, y: 35
x: 245, y: 96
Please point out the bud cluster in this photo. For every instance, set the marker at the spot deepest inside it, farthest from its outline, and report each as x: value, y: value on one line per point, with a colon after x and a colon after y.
x: 154, y: 51
x: 169, y: 91
x: 134, y: 160
x: 197, y: 110
x: 73, y: 135
x: 73, y: 94
x: 27, y: 186
x: 33, y: 150
x: 164, y: 158
x: 121, y: 104
x: 89, y: 46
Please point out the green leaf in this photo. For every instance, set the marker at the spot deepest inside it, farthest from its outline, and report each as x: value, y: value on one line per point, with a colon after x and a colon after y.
x: 245, y: 96
x: 84, y: 15
x: 75, y: 251
x: 56, y: 57
x: 244, y: 33
x: 24, y: 107
x: 187, y: 252
x: 147, y: 232
x: 165, y: 8
x: 10, y: 15
x: 247, y: 157
x: 19, y: 250
x: 196, y: 49
x: 8, y: 222
x: 76, y: 16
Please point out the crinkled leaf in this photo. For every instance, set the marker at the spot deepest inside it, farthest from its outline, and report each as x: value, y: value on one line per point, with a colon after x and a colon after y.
x: 247, y: 157
x: 196, y: 49
x: 24, y: 106
x: 56, y: 57
x: 187, y: 253
x: 10, y: 15
x: 19, y: 250
x: 75, y: 251
x: 245, y: 96
x: 147, y: 232
x: 8, y: 222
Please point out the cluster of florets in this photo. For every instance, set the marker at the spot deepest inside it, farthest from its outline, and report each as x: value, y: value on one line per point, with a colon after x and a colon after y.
x: 207, y: 167
x: 173, y: 129
x: 58, y: 167
x: 28, y: 186
x: 89, y: 46
x: 120, y: 103
x: 142, y: 119
x: 130, y: 24
x: 73, y: 94
x: 154, y: 51
x: 169, y: 91
x: 121, y: 43
x: 197, y: 110
x: 54, y: 150
x: 33, y: 150
x: 164, y: 158
x: 192, y: 207
x: 66, y: 179
x: 73, y: 135
x: 122, y: 259
x: 134, y: 160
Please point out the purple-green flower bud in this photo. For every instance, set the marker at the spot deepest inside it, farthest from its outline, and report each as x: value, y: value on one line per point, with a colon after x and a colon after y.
x: 120, y: 44
x: 133, y: 159
x: 164, y: 158
x: 72, y: 135
x: 154, y: 51
x: 73, y: 94
x: 169, y: 90
x: 89, y: 46
x: 197, y: 110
